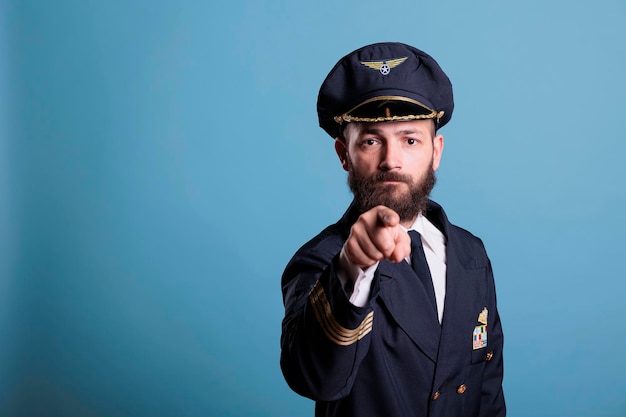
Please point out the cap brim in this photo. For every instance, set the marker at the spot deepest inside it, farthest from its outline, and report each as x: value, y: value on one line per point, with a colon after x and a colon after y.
x: 389, y: 107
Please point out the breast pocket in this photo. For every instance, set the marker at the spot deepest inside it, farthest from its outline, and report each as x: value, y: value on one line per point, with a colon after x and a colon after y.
x: 480, y: 355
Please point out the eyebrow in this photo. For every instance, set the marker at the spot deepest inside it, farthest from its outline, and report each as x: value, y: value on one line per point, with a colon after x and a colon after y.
x: 375, y: 131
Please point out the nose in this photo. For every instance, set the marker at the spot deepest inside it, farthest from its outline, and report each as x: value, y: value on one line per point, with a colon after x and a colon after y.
x: 391, y: 157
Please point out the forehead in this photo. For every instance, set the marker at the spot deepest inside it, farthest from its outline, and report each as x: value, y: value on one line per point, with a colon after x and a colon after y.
x: 424, y: 127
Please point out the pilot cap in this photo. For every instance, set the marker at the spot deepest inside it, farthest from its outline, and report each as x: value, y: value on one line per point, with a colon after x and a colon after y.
x: 387, y: 81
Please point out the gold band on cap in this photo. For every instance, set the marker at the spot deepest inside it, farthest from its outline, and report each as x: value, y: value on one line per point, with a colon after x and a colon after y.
x: 346, y: 117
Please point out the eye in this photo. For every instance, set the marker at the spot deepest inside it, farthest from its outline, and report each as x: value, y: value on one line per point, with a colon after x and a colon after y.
x: 369, y: 145
x: 368, y: 142
x: 411, y: 141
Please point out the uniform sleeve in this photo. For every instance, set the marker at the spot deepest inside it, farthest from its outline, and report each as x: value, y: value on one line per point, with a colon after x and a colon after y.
x: 324, y: 337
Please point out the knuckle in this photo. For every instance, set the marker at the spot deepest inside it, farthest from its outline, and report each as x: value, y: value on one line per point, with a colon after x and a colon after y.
x: 386, y: 246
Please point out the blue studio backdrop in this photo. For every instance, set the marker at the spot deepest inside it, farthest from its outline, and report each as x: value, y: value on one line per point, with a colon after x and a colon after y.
x: 160, y: 162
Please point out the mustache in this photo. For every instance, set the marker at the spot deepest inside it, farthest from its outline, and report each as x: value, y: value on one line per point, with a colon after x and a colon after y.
x: 391, y: 176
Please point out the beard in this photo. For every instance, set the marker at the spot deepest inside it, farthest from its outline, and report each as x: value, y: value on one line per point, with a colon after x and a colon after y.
x: 370, y: 192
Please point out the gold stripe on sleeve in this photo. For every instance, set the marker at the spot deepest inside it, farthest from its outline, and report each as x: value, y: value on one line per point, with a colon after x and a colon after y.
x: 335, y: 332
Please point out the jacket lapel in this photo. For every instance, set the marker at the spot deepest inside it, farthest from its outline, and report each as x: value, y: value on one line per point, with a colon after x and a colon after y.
x: 459, y: 310
x: 407, y: 301
x: 464, y: 292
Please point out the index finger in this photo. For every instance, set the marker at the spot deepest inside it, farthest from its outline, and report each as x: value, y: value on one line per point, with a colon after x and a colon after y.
x: 387, y: 217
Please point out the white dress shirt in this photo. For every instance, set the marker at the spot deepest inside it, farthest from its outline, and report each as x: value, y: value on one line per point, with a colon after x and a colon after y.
x: 434, y: 243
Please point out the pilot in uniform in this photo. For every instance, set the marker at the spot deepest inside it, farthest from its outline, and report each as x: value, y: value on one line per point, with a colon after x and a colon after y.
x: 404, y: 329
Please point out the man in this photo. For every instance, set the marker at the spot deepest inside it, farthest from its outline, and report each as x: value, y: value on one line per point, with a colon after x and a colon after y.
x: 392, y: 310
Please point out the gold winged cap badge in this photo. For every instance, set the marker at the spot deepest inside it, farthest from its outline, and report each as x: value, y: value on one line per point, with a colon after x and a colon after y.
x: 384, y: 66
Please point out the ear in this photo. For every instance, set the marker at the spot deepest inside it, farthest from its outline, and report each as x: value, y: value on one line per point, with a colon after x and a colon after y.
x: 437, y: 151
x: 342, y: 152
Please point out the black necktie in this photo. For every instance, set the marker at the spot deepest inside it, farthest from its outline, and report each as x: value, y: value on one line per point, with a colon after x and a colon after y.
x: 420, y: 265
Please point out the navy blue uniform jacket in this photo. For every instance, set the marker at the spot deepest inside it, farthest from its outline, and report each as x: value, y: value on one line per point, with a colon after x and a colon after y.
x: 392, y: 358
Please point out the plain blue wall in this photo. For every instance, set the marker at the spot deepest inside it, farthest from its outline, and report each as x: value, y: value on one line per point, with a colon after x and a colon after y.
x: 160, y: 163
